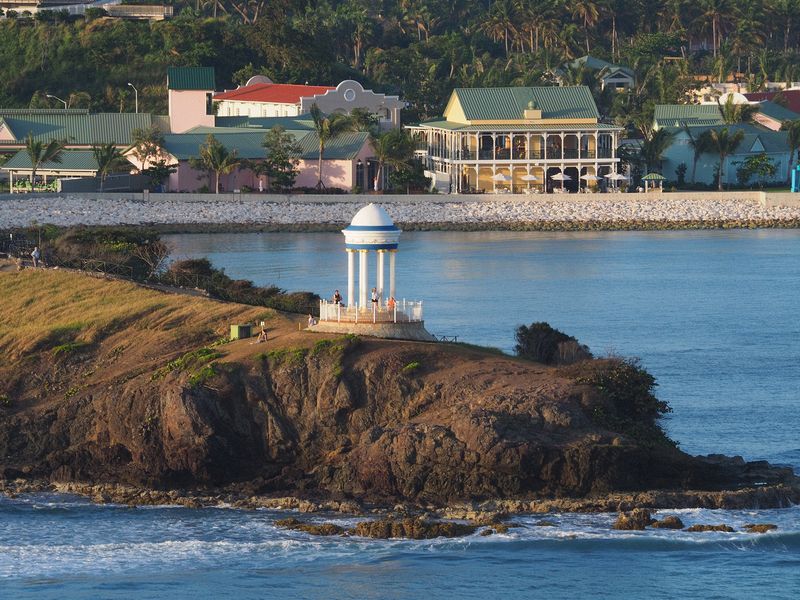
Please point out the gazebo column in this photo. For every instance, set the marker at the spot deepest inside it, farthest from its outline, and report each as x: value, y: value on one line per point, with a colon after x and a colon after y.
x: 351, y: 276
x: 363, y: 278
x: 381, y: 254
x: 392, y: 257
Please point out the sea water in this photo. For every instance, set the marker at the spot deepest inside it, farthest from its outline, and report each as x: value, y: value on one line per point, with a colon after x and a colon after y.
x: 713, y: 315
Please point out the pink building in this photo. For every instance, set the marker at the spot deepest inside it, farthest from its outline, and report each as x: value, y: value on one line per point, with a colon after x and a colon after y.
x: 347, y: 163
x: 190, y: 91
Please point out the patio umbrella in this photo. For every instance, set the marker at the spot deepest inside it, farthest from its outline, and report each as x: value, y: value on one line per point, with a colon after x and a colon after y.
x: 590, y: 177
x: 530, y: 179
x: 562, y: 178
x: 501, y: 177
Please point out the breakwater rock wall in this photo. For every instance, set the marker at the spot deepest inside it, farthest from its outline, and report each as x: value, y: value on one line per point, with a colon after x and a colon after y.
x: 287, y: 212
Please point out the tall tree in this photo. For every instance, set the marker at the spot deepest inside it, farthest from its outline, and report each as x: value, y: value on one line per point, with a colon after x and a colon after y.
x: 792, y: 129
x: 109, y: 159
x: 147, y: 144
x: 700, y: 144
x: 215, y: 158
x: 654, y: 147
x: 724, y: 142
x: 733, y: 112
x: 328, y: 127
x: 588, y: 12
x: 280, y: 166
x: 40, y: 153
x: 394, y: 148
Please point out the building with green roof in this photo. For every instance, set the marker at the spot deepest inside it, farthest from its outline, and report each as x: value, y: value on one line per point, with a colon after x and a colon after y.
x: 518, y: 139
x: 348, y: 161
x: 757, y: 140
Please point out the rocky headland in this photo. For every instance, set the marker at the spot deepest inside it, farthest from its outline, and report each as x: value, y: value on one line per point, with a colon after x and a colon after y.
x: 134, y: 395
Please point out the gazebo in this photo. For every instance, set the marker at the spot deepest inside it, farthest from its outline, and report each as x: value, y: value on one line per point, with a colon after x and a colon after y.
x: 372, y: 230
x: 651, y: 178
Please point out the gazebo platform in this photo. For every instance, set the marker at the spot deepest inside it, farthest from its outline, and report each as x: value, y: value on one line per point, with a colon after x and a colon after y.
x: 414, y: 330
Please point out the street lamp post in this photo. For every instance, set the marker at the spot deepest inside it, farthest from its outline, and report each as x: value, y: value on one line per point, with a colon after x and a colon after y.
x: 135, y: 96
x: 59, y: 99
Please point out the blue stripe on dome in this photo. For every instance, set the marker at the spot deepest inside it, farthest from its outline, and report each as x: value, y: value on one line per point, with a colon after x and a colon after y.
x: 371, y: 246
x: 371, y: 228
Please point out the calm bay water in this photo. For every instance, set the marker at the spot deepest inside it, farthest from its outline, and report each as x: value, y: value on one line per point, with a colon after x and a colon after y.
x: 713, y: 315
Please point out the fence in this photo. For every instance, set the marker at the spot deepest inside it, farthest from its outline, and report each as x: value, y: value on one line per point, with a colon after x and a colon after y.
x: 404, y: 311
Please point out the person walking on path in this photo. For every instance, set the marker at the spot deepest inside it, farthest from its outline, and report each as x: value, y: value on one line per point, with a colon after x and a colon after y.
x: 36, y: 255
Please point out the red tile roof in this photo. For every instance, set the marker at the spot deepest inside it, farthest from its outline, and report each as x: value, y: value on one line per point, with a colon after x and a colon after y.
x: 282, y: 93
x: 792, y: 98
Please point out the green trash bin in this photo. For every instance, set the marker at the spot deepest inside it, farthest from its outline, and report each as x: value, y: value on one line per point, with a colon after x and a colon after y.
x: 240, y: 332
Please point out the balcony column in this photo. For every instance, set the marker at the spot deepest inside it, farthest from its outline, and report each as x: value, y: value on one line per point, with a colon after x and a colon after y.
x: 392, y: 257
x: 379, y: 278
x: 544, y: 148
x: 580, y: 145
x: 596, y: 154
x: 363, y: 278
x: 563, y: 149
x: 351, y: 276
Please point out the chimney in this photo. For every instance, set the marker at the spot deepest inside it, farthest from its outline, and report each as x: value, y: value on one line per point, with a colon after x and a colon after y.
x: 532, y: 113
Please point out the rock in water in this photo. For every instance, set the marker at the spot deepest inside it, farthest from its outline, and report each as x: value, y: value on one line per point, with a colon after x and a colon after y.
x: 415, y: 529
x: 760, y: 527
x: 324, y: 529
x: 670, y: 522
x: 722, y: 527
x: 635, y: 520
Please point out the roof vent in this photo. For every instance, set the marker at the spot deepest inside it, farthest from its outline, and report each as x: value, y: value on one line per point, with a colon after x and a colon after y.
x: 532, y: 113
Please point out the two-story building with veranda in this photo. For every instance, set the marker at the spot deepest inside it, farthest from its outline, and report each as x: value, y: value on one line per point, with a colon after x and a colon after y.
x: 516, y: 139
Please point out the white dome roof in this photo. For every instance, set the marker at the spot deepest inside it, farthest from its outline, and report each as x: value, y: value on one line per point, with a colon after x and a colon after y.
x: 372, y: 215
x: 371, y: 229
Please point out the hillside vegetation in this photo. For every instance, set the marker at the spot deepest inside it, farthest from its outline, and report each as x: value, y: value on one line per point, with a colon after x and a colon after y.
x: 421, y: 49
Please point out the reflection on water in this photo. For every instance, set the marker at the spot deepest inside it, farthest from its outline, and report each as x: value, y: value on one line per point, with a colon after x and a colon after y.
x: 712, y: 314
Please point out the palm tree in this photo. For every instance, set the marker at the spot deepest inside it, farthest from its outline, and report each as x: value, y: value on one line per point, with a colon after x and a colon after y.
x: 700, y: 145
x: 500, y: 22
x: 328, y: 127
x: 792, y: 129
x: 394, y: 149
x: 108, y: 158
x: 736, y: 113
x: 215, y: 158
x: 724, y: 143
x: 654, y: 147
x: 589, y: 13
x: 40, y: 153
x: 714, y: 11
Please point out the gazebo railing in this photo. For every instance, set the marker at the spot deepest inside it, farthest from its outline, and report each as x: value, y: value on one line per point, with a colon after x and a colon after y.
x: 404, y: 311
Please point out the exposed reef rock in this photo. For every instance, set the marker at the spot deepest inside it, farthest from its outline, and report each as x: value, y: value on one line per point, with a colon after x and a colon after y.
x: 149, y: 401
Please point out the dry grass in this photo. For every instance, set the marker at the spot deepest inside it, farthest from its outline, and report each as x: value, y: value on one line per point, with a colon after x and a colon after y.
x: 42, y: 310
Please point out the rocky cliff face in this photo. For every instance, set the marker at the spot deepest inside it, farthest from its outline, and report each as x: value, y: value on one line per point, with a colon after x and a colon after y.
x: 341, y: 417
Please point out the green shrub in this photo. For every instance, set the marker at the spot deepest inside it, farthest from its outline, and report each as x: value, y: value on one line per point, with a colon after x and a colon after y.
x: 193, y: 358
x: 411, y: 367
x: 70, y: 347
x: 630, y: 405
x: 5, y: 401
x: 543, y: 344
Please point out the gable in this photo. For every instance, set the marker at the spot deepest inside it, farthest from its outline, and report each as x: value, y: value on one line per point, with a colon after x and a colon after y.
x: 509, y: 103
x: 757, y: 146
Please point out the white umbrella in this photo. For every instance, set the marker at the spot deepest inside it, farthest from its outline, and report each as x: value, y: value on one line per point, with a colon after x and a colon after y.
x: 501, y: 177
x: 616, y: 176
x: 529, y: 178
x: 561, y: 177
x: 589, y: 177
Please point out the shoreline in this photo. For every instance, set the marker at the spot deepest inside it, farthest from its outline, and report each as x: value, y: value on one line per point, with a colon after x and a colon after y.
x: 774, y: 496
x: 186, y: 213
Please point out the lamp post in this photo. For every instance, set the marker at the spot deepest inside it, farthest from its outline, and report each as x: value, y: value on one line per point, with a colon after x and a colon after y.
x: 59, y: 99
x: 135, y: 96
